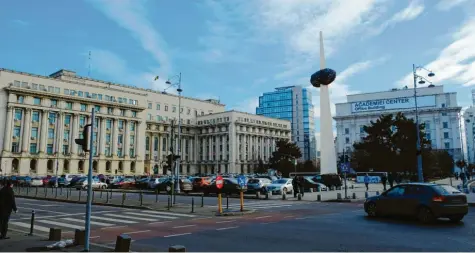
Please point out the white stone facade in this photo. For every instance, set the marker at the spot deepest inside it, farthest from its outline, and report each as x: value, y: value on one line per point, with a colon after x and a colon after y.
x: 44, y: 114
x: 469, y: 118
x: 437, y: 109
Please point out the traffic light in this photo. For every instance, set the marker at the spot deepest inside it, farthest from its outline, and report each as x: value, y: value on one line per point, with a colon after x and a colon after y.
x: 84, y: 142
x: 169, y: 160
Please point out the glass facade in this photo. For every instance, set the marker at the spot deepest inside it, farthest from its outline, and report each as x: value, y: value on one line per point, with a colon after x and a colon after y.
x: 293, y: 103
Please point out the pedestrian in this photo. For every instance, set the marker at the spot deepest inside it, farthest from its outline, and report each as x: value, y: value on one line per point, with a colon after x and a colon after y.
x: 384, y: 180
x: 295, y: 186
x: 456, y: 176
x: 390, y: 179
x: 366, y: 181
x: 301, y: 183
x: 7, y: 205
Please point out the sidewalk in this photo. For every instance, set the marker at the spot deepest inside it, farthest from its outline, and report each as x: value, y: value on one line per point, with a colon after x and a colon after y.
x: 20, y: 242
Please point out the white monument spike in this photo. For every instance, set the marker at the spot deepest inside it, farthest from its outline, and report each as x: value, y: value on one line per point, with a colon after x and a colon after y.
x: 328, y: 162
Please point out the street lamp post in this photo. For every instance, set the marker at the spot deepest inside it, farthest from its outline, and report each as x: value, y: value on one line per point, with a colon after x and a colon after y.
x: 418, y: 141
x: 178, y: 146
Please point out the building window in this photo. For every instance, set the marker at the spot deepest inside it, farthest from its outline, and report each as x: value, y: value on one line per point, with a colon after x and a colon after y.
x: 108, y: 151
x: 444, y: 114
x: 188, y: 111
x: 108, y: 138
x: 427, y: 126
x: 50, y: 133
x: 69, y: 105
x: 83, y: 107
x: 82, y: 121
x: 132, y: 139
x: 347, y: 131
x: 445, y: 124
x: 54, y: 103
x: 18, y: 114
x: 52, y: 117
x: 158, y: 106
x: 97, y: 108
x: 67, y: 119
x: 108, y: 124
x: 34, y: 132
x: 49, y: 149
x: 447, y: 145
x: 149, y: 105
x: 65, y: 149
x: 119, y: 152
x: 16, y: 131
x: 174, y: 109
x: 20, y: 99
x: 155, y: 144
x: 119, y: 139
x: 33, y: 149
x: 134, y: 114
x: 121, y: 124
x: 35, y: 116
x: 166, y: 108
x: 37, y: 101
x: 132, y: 126
x: 428, y: 136
x: 110, y: 110
x: 446, y: 135
x: 132, y: 152
x: 164, y: 144
x: 66, y: 135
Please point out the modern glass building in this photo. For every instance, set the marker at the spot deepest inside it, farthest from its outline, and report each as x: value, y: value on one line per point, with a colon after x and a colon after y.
x: 293, y: 103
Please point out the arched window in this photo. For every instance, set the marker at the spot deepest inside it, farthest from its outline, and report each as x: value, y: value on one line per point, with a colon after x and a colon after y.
x: 155, y: 144
x: 147, y: 143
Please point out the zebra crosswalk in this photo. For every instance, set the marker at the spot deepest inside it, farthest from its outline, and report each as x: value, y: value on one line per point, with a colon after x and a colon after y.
x: 104, y: 220
x: 266, y: 204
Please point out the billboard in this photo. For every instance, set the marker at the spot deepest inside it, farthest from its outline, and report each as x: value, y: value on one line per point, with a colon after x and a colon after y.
x: 392, y: 104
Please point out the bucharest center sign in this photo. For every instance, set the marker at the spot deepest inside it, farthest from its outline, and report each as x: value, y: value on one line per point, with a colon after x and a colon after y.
x: 392, y: 104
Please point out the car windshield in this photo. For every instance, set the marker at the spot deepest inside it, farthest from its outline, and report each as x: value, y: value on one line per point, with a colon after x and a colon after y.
x: 280, y: 181
x: 446, y: 189
x: 253, y: 181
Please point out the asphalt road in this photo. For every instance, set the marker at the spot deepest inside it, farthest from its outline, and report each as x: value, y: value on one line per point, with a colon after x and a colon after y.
x: 300, y: 227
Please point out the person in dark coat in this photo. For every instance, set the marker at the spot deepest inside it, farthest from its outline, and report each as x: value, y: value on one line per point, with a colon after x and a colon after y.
x: 7, y: 205
x: 301, y: 182
x: 391, y: 180
x: 384, y: 180
x: 295, y: 185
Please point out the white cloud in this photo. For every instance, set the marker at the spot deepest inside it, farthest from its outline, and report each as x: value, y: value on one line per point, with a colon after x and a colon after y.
x: 445, y: 5
x: 114, y: 67
x: 248, y: 105
x: 411, y: 12
x: 132, y: 16
x: 20, y: 22
x: 455, y: 63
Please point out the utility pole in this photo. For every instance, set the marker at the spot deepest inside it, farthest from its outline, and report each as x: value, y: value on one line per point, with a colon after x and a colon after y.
x: 171, y: 166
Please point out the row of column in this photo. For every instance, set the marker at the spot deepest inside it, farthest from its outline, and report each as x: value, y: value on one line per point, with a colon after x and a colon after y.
x: 160, y: 150
x: 254, y: 141
x: 207, y: 141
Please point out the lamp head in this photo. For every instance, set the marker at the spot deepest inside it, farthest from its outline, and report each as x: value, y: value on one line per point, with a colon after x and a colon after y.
x: 422, y: 81
x: 168, y: 82
x: 431, y: 74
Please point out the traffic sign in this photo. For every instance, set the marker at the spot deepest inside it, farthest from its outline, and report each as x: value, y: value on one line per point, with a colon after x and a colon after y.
x: 345, y: 168
x: 219, y: 182
x: 241, y: 181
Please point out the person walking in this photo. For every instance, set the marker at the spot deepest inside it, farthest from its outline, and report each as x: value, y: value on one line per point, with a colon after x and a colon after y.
x: 7, y: 205
x: 366, y: 181
x: 295, y: 186
x: 391, y: 180
x: 384, y: 180
x: 301, y: 185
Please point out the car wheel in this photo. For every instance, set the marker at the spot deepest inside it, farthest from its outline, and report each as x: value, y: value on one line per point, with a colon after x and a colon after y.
x: 424, y: 215
x: 284, y: 191
x: 103, y: 187
x: 456, y: 218
x: 371, y: 210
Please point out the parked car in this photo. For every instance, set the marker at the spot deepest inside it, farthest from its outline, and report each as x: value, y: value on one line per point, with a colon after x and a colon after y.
x: 142, y: 183
x: 280, y: 186
x: 123, y: 183
x: 230, y: 186
x: 330, y: 180
x: 257, y: 184
x: 424, y: 201
x: 199, y: 183
x: 36, y: 181
x: 311, y: 186
x: 96, y: 184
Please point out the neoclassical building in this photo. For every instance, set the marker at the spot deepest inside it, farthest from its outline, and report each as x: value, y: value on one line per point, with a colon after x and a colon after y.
x: 44, y: 114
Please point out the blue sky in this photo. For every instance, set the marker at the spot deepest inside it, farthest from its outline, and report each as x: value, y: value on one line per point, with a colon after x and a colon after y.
x: 236, y: 50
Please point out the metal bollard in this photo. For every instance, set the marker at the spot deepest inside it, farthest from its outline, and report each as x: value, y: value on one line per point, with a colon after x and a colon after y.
x: 67, y: 194
x: 338, y: 196
x: 111, y: 194
x: 100, y: 196
x: 32, y: 222
x: 202, y: 200
x: 352, y: 186
x: 93, y: 195
x: 107, y: 197
x: 227, y: 202
x: 141, y: 197
x: 192, y: 205
x: 177, y: 248
x: 299, y: 196
x: 319, y: 197
x: 36, y: 193
x: 284, y: 196
x: 27, y: 190
x: 156, y: 196
x: 56, y: 193
x: 168, y: 205
x: 122, y: 243
x: 267, y: 195
x: 46, y: 192
x: 52, y: 189
x: 80, y: 192
x: 258, y: 195
x: 61, y: 191
x: 354, y: 195
x: 123, y: 198
x: 366, y: 194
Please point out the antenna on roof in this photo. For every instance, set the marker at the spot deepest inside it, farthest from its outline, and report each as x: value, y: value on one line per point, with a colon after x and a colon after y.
x: 89, y: 68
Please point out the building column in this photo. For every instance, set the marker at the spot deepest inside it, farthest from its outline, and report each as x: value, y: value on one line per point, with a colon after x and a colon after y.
x: 7, y: 141
x: 43, y: 131
x: 115, y: 136
x: 59, y: 132
x: 138, y: 141
x: 217, y: 153
x: 26, y: 131
x: 102, y: 139
x: 127, y: 138
x: 75, y: 134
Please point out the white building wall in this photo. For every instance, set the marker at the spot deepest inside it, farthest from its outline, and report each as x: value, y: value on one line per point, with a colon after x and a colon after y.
x: 129, y: 119
x: 469, y: 121
x: 442, y: 118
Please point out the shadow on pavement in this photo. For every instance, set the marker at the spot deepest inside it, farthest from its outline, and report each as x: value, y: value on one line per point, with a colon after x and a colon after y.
x: 439, y: 223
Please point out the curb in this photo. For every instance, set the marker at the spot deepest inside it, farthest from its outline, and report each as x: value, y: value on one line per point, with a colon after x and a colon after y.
x: 84, y: 202
x: 236, y: 213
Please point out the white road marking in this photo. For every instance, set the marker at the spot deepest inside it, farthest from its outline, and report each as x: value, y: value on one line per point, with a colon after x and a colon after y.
x: 262, y: 217
x: 25, y: 225
x: 136, y: 232
x: 159, y: 222
x: 92, y: 222
x: 115, y: 227
x: 61, y: 224
x: 219, y: 229
x: 152, y: 215
x: 265, y: 223
x: 300, y: 218
x: 43, y: 210
x: 184, y: 226
x: 113, y: 220
x: 177, y: 235
x: 290, y: 216
x: 225, y: 221
x: 202, y: 218
x: 172, y: 214
x: 128, y: 217
x: 42, y: 205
